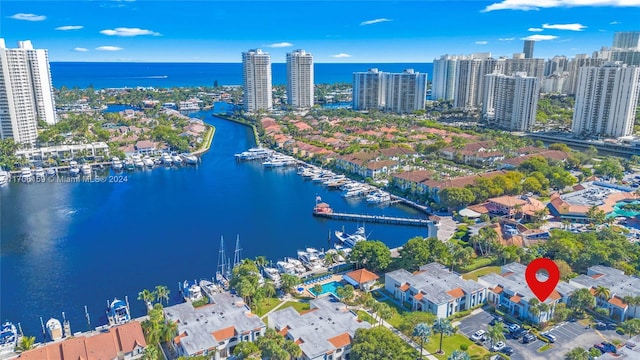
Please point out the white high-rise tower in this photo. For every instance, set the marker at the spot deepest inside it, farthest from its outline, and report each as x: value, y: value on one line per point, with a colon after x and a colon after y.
x: 26, y: 92
x: 256, y: 77
x: 300, y: 79
x: 510, y: 102
x: 405, y: 91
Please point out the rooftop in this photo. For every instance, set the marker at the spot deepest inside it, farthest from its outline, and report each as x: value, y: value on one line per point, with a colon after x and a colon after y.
x: 615, y: 280
x: 603, y: 195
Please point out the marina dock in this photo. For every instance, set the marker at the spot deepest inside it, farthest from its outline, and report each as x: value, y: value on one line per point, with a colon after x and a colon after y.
x: 375, y: 218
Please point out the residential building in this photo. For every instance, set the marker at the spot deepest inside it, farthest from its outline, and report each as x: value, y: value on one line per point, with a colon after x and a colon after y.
x: 511, y: 102
x: 369, y: 89
x: 469, y: 83
x: 628, y: 40
x: 558, y: 83
x: 361, y: 279
x: 606, y: 100
x: 575, y: 205
x: 26, y: 92
x: 300, y: 79
x: 405, y: 91
x: 532, y: 67
x: 557, y: 64
x: 510, y: 292
x: 215, y: 328
x: 435, y: 289
x: 434, y: 186
x: 473, y: 153
x: 444, y: 76
x: 411, y: 180
x: 549, y: 155
x: 528, y: 48
x: 119, y: 342
x: 256, y: 76
x: 65, y: 152
x: 513, y: 205
x: 629, y: 57
x: 619, y: 285
x: 323, y: 332
x: 574, y: 66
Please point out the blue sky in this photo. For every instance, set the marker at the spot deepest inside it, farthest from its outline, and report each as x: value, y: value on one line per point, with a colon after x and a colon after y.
x: 333, y: 31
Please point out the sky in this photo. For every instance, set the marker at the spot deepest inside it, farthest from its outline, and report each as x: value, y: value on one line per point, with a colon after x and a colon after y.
x: 333, y: 31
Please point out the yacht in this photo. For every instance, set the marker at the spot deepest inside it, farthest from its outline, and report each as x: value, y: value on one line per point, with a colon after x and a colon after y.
x: 54, y: 329
x: 39, y: 173
x: 26, y: 175
x: 311, y: 258
x: 118, y: 312
x: 209, y: 288
x: 272, y: 273
x: 116, y: 164
x: 297, y: 265
x: 8, y: 338
x: 351, y: 240
x: 74, y: 170
x: 147, y: 161
x: 354, y: 191
x: 4, y: 177
x: 137, y: 161
x: 191, y: 292
x: 86, y: 169
x: 378, y: 197
x: 286, y: 267
x: 254, y: 154
x: 176, y: 159
x: 51, y: 172
x: 166, y: 159
x: 189, y: 159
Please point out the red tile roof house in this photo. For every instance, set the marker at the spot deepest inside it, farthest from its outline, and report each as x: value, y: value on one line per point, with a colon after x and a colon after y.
x: 376, y: 169
x: 119, y: 342
x: 479, y: 153
x: 363, y: 279
x: 514, y: 162
x: 410, y: 180
x: 356, y: 162
x: 146, y: 147
x: 434, y: 186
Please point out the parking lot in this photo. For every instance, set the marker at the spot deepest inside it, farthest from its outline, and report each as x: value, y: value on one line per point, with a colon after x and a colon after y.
x: 568, y: 336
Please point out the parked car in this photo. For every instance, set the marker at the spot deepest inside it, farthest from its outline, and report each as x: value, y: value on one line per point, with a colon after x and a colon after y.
x: 601, y: 326
x: 507, y: 350
x: 528, y: 338
x: 608, y: 347
x: 495, y: 320
x: 611, y: 326
x: 513, y: 328
x: 518, y: 334
x: 478, y: 336
x: 499, y: 346
x: 549, y: 337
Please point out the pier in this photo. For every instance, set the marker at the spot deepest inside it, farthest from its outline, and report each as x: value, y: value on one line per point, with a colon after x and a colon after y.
x: 374, y: 218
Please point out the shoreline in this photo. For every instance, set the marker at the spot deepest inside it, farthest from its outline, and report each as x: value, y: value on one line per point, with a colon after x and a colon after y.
x: 208, y: 139
x: 256, y: 138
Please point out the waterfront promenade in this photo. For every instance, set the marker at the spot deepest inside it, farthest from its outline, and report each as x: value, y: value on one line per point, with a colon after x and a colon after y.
x: 382, y: 219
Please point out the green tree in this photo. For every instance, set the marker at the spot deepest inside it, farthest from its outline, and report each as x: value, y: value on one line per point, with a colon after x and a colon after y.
x: 245, y: 279
x: 147, y: 296
x: 373, y: 255
x: 442, y: 327
x: 346, y: 293
x: 422, y: 331
x: 610, y: 167
x: 317, y: 289
x: 151, y: 352
x: 289, y: 282
x: 247, y: 350
x: 578, y: 353
x: 269, y: 289
x: 602, y: 293
x: 411, y: 319
x: 582, y: 299
x: 631, y: 327
x: 162, y: 293
x: 377, y: 343
x: 495, y: 334
x: 458, y: 355
x: 292, y: 349
x: 455, y: 198
x: 26, y: 343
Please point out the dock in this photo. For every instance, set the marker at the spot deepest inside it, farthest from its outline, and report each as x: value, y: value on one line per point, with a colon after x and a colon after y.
x: 382, y: 219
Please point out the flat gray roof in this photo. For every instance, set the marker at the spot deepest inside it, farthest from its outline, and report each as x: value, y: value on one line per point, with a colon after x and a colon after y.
x: 615, y: 280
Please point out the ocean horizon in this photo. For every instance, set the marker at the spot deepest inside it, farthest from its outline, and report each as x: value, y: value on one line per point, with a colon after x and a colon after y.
x: 102, y: 75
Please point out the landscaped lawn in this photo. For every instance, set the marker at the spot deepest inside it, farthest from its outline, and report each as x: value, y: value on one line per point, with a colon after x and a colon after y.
x: 396, y: 320
x: 451, y: 343
x: 364, y: 316
x: 475, y: 274
x: 298, y: 306
x: 265, y: 305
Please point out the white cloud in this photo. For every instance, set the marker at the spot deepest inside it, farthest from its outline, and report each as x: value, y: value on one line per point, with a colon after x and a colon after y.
x: 122, y: 31
x: 506, y: 39
x: 545, y: 4
x: 108, y: 48
x: 80, y: 49
x: 539, y: 37
x: 280, y: 45
x: 28, y: 17
x: 482, y: 42
x: 341, y: 56
x: 374, y: 21
x: 69, y: 27
x: 615, y: 23
x: 535, y: 29
x: 571, y: 27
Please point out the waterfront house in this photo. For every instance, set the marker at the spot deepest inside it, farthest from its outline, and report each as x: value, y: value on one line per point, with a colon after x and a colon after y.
x: 376, y: 169
x: 475, y: 153
x: 362, y: 279
x: 215, y: 328
x: 434, y: 186
x: 510, y: 292
x: 435, y: 289
x: 119, y: 342
x: 412, y: 180
x: 146, y: 147
x: 324, y: 332
x: 619, y: 285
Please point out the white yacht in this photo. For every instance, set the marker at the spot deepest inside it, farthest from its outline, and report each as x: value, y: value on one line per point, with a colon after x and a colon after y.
x: 297, y: 264
x: 166, y: 159
x: 254, y: 154
x: 39, y: 173
x: 129, y: 164
x: 272, y: 273
x: 8, y: 338
x: 26, y: 175
x: 74, y: 170
x: 189, y: 159
x: 176, y: 159
x: 147, y: 161
x: 311, y: 258
x: 116, y: 164
x: 137, y: 161
x: 86, y: 169
x: 51, y: 172
x: 4, y: 177
x: 351, y: 240
x: 379, y: 197
x: 286, y: 267
x: 54, y: 329
x: 354, y: 191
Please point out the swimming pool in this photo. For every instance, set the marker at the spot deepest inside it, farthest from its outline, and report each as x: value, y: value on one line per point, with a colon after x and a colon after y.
x: 618, y: 211
x: 328, y: 288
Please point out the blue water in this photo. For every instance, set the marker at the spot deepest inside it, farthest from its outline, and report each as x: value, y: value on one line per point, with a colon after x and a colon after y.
x: 116, y: 75
x: 66, y: 245
x: 331, y: 288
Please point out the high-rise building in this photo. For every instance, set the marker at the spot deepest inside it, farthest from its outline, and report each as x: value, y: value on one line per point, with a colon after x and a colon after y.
x: 26, y: 92
x: 578, y: 62
x: 533, y: 67
x: 444, y: 76
x: 606, y: 100
x: 369, y: 90
x: 510, y: 102
x: 405, y: 91
x: 627, y: 40
x: 528, y: 48
x: 256, y: 77
x: 557, y: 64
x: 300, y: 79
x: 469, y: 82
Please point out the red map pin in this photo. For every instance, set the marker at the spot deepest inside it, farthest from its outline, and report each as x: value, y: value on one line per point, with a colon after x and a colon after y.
x: 542, y: 289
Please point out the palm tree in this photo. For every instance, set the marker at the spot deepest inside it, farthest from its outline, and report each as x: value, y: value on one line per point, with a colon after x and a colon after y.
x: 26, y: 343
x: 261, y: 261
x: 442, y: 327
x: 578, y: 353
x: 151, y: 352
x: 162, y: 293
x: 317, y: 289
x: 602, y: 293
x: 289, y: 281
x: 386, y: 312
x: 147, y: 296
x: 329, y: 258
x: 544, y: 308
x: 495, y: 334
x: 292, y: 349
x: 422, y: 331
x: 269, y: 289
x: 168, y: 331
x: 534, y: 307
x: 458, y: 355
x: 629, y: 301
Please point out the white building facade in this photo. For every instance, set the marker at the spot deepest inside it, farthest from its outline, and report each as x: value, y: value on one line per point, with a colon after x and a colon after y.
x: 627, y: 40
x: 510, y: 102
x: 26, y: 92
x: 368, y: 90
x: 606, y: 100
x: 405, y: 91
x: 300, y: 79
x: 256, y: 76
x: 444, y: 76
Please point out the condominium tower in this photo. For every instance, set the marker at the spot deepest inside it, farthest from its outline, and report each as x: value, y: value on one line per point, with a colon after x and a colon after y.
x: 368, y: 90
x: 510, y: 102
x: 606, y: 100
x: 300, y: 79
x: 528, y: 48
x: 628, y: 40
x: 256, y: 77
x: 405, y: 91
x: 444, y: 76
x: 26, y: 93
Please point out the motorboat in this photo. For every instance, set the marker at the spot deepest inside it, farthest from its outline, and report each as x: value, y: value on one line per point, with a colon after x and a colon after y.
x: 286, y: 267
x: 4, y: 177
x: 26, y: 175
x: 272, y: 273
x: 167, y: 159
x: 311, y: 258
x: 129, y: 164
x: 51, y: 172
x: 351, y: 240
x: 378, y: 197
x: 8, y: 338
x: 116, y: 164
x: 137, y: 161
x: 254, y: 154
x: 176, y: 159
x: 147, y: 161
x: 54, y: 329
x: 191, y: 292
x: 39, y: 173
x: 86, y: 169
x: 354, y: 191
x: 118, y: 312
x: 209, y: 288
x: 297, y: 264
x: 189, y: 159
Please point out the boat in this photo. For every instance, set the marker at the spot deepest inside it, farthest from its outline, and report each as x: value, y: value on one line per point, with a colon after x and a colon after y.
x: 8, y: 338
x: 285, y: 267
x: 86, y: 169
x: 189, y: 159
x: 116, y: 164
x: 166, y: 159
x: 147, y: 161
x: 272, y: 273
x: 118, y: 312
x: 54, y: 329
x: 74, y: 170
x: 26, y: 175
x: 137, y: 161
x: 191, y: 292
x: 297, y: 265
x: 39, y: 173
x: 311, y: 258
x: 176, y: 159
x: 129, y: 164
x: 4, y: 177
x: 51, y: 172
x: 357, y: 190
x: 209, y: 288
x: 254, y: 154
x: 378, y: 197
x: 351, y: 240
